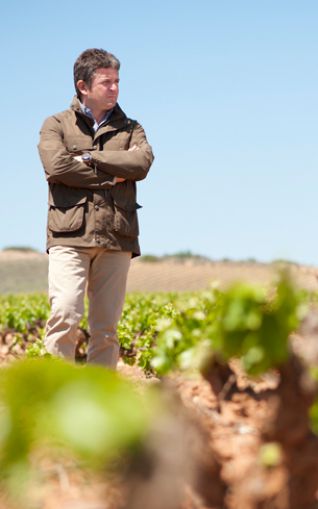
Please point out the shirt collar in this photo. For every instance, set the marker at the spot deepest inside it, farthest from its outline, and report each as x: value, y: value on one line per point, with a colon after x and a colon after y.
x: 87, y: 111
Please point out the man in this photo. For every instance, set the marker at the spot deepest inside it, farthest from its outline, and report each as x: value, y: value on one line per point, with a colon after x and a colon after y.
x: 92, y: 155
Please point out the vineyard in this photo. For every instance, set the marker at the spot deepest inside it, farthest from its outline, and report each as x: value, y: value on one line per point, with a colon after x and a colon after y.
x: 214, y: 406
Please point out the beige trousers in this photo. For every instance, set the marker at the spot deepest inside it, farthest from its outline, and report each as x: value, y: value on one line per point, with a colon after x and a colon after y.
x: 103, y: 274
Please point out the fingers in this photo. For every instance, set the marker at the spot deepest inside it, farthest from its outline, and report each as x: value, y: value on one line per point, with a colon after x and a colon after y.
x: 134, y: 147
x: 119, y: 179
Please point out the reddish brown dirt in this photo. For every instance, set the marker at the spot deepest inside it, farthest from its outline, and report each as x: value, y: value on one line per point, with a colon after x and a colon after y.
x: 205, y: 452
x: 214, y: 430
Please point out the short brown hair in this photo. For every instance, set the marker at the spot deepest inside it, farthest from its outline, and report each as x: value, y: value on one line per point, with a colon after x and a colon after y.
x: 90, y: 60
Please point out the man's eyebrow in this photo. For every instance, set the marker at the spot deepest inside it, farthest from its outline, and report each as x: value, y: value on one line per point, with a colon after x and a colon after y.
x: 105, y: 78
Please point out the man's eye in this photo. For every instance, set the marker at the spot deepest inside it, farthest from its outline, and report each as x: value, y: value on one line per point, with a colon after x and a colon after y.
x: 109, y: 83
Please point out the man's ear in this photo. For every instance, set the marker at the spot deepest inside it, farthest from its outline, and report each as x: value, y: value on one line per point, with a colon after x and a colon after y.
x: 82, y: 87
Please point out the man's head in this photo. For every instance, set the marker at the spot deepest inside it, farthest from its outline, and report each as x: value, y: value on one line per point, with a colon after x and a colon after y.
x: 96, y: 79
x: 88, y: 62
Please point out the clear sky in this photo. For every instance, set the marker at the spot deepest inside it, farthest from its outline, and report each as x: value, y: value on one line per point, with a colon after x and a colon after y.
x: 227, y: 93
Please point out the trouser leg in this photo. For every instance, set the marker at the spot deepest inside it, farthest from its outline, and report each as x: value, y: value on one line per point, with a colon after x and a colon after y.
x: 68, y: 271
x: 106, y: 294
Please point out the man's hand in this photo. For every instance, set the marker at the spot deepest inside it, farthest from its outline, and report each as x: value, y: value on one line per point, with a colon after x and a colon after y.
x: 117, y: 180
x: 134, y: 147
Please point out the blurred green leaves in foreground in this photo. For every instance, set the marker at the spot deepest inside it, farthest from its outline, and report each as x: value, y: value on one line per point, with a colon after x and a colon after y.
x: 91, y: 413
x: 87, y: 412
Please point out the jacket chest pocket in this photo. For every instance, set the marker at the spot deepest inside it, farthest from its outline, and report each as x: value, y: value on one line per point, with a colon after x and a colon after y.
x: 78, y: 143
x: 126, y: 219
x: 115, y: 141
x: 66, y: 217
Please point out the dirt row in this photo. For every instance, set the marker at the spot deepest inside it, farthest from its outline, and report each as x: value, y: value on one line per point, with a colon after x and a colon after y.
x: 224, y: 442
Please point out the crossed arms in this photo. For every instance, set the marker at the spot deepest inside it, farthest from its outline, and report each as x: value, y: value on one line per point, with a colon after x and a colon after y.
x: 61, y: 168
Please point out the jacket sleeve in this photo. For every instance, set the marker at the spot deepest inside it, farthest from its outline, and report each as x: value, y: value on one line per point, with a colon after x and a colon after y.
x: 131, y: 165
x: 59, y: 165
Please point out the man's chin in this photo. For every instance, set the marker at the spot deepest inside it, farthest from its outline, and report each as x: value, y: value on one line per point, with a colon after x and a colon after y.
x: 111, y: 104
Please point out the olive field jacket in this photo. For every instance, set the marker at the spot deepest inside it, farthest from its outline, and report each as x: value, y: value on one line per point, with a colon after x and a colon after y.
x: 86, y: 208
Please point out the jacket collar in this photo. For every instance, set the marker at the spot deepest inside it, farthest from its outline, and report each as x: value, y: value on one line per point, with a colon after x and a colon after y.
x: 117, y: 120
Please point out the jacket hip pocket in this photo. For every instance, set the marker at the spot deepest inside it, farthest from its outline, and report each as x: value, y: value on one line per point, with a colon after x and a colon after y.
x: 67, y: 217
x: 126, y: 219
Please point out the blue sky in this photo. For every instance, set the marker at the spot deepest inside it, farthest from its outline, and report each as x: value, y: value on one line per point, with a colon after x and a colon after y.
x: 227, y: 93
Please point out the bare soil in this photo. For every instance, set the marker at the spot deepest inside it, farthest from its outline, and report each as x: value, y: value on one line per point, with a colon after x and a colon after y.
x: 27, y: 272
x: 206, y: 452
x: 191, y: 275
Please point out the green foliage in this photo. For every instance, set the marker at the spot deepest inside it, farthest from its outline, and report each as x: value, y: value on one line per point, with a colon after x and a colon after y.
x: 244, y: 321
x: 138, y: 327
x: 270, y: 454
x: 36, y: 348
x: 178, y: 256
x: 314, y: 417
x: 314, y: 408
x: 183, y: 336
x: 150, y: 258
x: 22, y: 321
x: 88, y: 412
x: 185, y: 255
x: 161, y: 331
x: 91, y: 413
x: 21, y: 249
x: 24, y: 312
x: 255, y: 326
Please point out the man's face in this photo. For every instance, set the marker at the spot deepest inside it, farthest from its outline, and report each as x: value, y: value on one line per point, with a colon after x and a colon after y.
x: 103, y: 91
